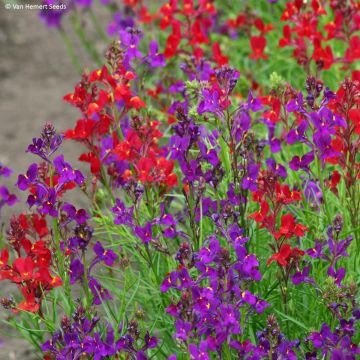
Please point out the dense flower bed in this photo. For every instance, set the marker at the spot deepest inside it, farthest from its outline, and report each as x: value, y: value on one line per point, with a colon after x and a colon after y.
x: 222, y: 143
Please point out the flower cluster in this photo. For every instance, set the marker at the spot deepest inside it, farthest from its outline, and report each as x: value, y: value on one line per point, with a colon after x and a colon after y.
x: 210, y: 207
x: 31, y: 270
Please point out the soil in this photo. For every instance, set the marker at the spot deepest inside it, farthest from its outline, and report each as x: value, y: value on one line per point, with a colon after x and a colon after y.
x: 35, y: 73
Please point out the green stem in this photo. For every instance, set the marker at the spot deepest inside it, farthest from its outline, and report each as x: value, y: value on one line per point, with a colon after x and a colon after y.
x: 71, y: 51
x: 88, y: 44
x: 320, y: 175
x: 86, y: 282
x: 98, y: 27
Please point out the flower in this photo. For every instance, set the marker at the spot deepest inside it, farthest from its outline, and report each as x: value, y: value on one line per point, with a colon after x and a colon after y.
x: 66, y: 172
x: 30, y: 178
x: 79, y: 216
x: 107, y: 256
x: 258, y: 44
x: 285, y: 254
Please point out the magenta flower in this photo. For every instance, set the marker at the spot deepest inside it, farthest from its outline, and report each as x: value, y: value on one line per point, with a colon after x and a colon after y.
x: 155, y: 59
x: 5, y: 171
x: 144, y: 233
x: 107, y: 256
x: 302, y: 163
x: 30, y: 178
x: 76, y: 271
x: 79, y: 216
x: 66, y: 172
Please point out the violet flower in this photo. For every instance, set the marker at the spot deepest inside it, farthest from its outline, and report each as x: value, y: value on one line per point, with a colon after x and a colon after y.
x: 66, y: 172
x: 155, y: 59
x: 25, y: 180
x: 107, y: 256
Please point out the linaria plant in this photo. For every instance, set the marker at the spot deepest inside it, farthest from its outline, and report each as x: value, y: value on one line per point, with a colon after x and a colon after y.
x: 222, y: 189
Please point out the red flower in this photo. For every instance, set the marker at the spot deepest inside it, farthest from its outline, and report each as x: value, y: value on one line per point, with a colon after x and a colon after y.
x: 168, y: 11
x: 145, y: 167
x: 354, y: 115
x: 274, y: 114
x: 29, y: 304
x: 4, y: 258
x: 282, y: 256
x: 188, y: 7
x: 219, y: 58
x: 323, y: 56
x: 136, y: 102
x: 98, y: 105
x: 353, y: 52
x: 258, y: 44
x: 285, y: 255
x: 260, y: 215
x: 198, y: 35
x: 334, y: 181
x: 24, y: 270
x: 83, y: 130
x: 173, y: 41
x: 145, y: 16
x: 259, y: 24
x: 95, y: 164
x: 289, y: 228
x: 285, y: 196
x: 286, y: 39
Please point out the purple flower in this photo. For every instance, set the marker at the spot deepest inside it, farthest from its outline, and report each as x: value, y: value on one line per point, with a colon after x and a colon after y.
x: 210, y: 102
x: 242, y: 121
x: 316, y: 251
x: 81, y: 238
x: 84, y: 3
x: 199, y: 353
x: 45, y: 199
x: 76, y: 271
x: 107, y: 256
x: 144, y: 233
x: 44, y: 147
x: 5, y: 171
x: 156, y: 59
x: 261, y: 305
x: 37, y: 148
x: 66, y: 172
x: 130, y: 39
x: 80, y: 216
x: 182, y: 330
x: 227, y: 78
x: 277, y: 169
x: 53, y: 17
x: 119, y: 23
x: 209, y: 155
x: 302, y: 276
x: 250, y: 179
x: 302, y: 163
x: 25, y: 180
x: 177, y: 87
x: 179, y: 146
x: 124, y: 215
x: 150, y: 342
x: 6, y: 198
x: 253, y: 104
x: 297, y: 134
x: 296, y: 104
x: 99, y: 292
x: 338, y: 275
x: 312, y: 192
x: 165, y: 219
x: 250, y: 266
x: 324, y: 339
